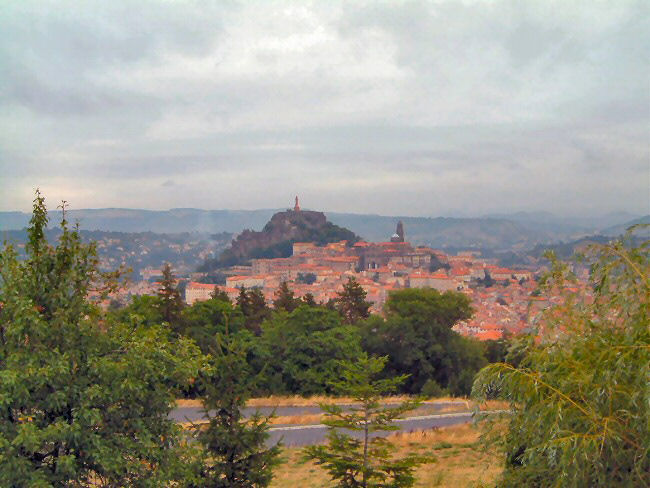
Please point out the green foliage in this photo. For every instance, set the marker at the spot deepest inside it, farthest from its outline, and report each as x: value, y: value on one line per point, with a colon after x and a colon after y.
x: 436, y: 264
x: 306, y: 278
x: 487, y: 281
x: 202, y: 321
x: 431, y: 389
x: 367, y: 461
x: 302, y: 350
x: 496, y: 351
x: 219, y: 294
x: 285, y: 299
x: 417, y: 337
x: 235, y: 452
x: 170, y: 302
x: 80, y: 406
x: 309, y: 300
x: 351, y: 302
x: 252, y: 304
x: 143, y: 310
x: 580, y: 395
x: 216, y: 277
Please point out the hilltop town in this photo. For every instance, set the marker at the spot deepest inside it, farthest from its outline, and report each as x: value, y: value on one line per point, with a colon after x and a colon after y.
x: 503, y: 298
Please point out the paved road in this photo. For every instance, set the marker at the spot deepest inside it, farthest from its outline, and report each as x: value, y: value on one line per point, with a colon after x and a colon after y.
x: 185, y: 414
x: 304, y: 435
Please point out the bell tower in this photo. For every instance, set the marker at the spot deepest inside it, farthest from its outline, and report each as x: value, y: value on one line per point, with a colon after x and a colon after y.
x: 400, y: 231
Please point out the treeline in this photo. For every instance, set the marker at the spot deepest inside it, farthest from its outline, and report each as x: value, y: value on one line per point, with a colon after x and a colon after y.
x: 296, y: 345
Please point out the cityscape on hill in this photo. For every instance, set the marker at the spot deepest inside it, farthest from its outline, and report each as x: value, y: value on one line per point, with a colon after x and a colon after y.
x: 316, y: 244
x: 495, y: 267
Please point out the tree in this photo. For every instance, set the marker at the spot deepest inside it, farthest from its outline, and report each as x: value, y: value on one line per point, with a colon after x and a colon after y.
x: 496, y: 351
x: 306, y: 278
x: 370, y: 460
x: 351, y: 302
x: 80, y: 406
x: 285, y: 299
x: 171, y: 303
x: 417, y: 336
x: 302, y: 350
x: 203, y: 320
x: 143, y: 310
x: 309, y: 300
x: 236, y: 453
x: 253, y: 305
x: 219, y: 294
x: 579, y: 395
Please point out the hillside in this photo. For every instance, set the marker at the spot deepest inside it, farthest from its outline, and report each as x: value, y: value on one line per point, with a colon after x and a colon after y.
x: 139, y: 250
x: 617, y: 230
x: 278, y: 235
x: 175, y: 220
x: 566, y: 226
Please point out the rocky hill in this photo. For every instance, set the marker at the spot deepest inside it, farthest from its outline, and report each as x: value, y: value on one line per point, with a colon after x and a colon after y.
x: 278, y: 235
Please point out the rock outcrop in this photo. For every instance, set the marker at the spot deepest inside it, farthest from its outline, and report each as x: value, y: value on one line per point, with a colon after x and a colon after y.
x: 276, y: 239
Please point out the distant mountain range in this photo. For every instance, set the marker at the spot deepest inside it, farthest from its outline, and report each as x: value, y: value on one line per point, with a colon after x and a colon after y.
x: 570, y: 226
x: 498, y: 231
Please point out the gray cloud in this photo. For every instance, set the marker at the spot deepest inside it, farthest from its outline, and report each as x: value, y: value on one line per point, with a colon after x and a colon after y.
x: 420, y: 107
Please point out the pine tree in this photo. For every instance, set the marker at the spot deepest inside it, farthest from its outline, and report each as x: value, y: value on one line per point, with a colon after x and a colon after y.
x: 236, y: 451
x: 219, y: 294
x: 285, y: 298
x: 171, y: 303
x: 242, y: 300
x: 253, y: 306
x: 351, y: 302
x: 368, y: 461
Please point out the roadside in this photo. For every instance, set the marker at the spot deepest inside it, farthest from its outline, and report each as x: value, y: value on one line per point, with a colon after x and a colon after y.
x: 426, y: 409
x: 460, y: 461
x: 298, y: 401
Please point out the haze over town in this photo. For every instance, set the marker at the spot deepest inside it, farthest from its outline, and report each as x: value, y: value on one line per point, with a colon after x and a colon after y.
x: 396, y: 108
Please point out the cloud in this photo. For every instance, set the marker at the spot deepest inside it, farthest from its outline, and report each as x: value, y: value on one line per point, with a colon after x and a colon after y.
x: 419, y: 107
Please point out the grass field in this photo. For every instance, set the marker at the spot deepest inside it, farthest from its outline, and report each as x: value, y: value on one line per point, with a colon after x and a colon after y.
x: 459, y: 461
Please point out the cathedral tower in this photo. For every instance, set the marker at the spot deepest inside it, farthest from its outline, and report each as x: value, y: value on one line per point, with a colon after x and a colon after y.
x: 400, y: 231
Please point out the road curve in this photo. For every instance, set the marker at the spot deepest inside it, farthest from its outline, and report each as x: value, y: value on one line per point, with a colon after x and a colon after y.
x: 304, y: 435
x: 187, y: 414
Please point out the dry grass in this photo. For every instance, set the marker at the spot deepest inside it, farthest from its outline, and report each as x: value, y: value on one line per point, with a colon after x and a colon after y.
x: 305, y: 419
x: 298, y: 401
x: 460, y: 462
x: 187, y: 402
x: 317, y: 418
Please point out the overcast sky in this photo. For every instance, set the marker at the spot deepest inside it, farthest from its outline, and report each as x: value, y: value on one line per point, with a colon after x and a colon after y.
x: 410, y: 108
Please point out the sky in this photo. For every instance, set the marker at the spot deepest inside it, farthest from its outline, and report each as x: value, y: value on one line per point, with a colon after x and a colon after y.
x: 423, y: 108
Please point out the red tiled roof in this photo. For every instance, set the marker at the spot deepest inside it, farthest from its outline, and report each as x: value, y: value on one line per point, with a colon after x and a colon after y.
x: 194, y: 284
x: 489, y: 335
